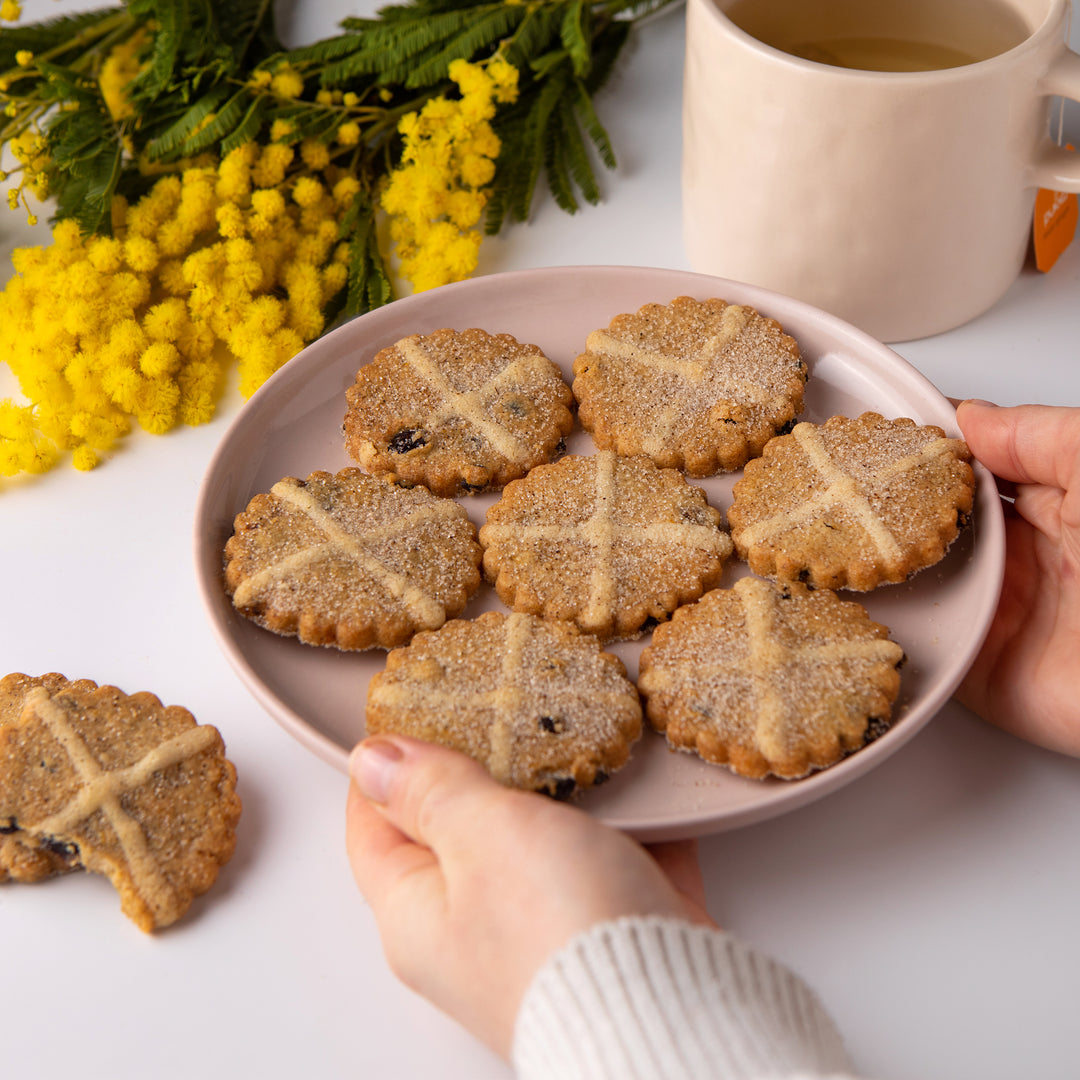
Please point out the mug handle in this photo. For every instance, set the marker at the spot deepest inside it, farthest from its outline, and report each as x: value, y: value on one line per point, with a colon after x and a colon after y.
x: 1056, y: 168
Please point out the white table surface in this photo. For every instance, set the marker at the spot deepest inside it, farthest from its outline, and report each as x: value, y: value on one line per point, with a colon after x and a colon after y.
x: 933, y: 903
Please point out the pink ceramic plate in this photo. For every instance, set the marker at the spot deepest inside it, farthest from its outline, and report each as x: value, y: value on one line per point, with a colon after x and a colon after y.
x: 292, y: 426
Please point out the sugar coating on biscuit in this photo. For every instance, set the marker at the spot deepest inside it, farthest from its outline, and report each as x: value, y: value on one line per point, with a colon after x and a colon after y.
x: 607, y: 542
x: 536, y: 702
x: 698, y: 385
x: 852, y: 503
x: 770, y: 679
x: 22, y: 857
x: 457, y: 411
x: 350, y: 560
x: 140, y: 792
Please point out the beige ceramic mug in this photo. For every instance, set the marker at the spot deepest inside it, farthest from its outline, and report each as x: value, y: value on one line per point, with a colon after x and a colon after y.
x: 900, y: 200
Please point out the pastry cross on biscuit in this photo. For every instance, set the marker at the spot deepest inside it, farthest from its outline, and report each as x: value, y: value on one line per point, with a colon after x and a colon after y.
x: 140, y: 792
x: 341, y: 543
x: 472, y: 406
x: 698, y: 385
x: 852, y: 503
x: 770, y: 679
x: 604, y: 541
x: 459, y: 411
x: 351, y: 561
x: 538, y: 703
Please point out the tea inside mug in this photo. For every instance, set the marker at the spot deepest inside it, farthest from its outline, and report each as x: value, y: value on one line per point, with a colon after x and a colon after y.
x: 883, y: 35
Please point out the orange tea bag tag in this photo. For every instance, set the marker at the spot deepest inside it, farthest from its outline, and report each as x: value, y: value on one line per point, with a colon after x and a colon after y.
x: 1055, y: 225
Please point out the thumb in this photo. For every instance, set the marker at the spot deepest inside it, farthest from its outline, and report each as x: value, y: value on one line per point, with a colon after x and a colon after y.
x: 411, y: 812
x: 436, y: 797
x: 1027, y: 444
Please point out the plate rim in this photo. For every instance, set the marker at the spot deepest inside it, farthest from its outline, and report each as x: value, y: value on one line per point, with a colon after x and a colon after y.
x: 786, y: 795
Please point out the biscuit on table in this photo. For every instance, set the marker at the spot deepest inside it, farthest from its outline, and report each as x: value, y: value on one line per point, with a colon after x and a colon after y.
x: 697, y: 385
x: 23, y: 858
x: 459, y: 411
x: 607, y: 542
x: 536, y: 702
x: 350, y: 560
x: 770, y: 679
x: 852, y: 503
x: 132, y: 789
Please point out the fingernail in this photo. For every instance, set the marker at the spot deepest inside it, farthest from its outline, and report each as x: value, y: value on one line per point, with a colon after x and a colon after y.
x: 372, y: 765
x: 978, y: 401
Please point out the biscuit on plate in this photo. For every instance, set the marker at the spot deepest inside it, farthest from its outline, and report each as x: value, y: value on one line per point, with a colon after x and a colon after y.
x: 610, y: 543
x: 536, y: 702
x: 770, y: 679
x: 350, y: 560
x: 852, y: 503
x: 697, y: 385
x: 132, y: 789
x: 459, y: 411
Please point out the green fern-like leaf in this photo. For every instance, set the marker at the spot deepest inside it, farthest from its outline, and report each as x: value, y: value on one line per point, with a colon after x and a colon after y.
x: 61, y: 83
x: 325, y: 51
x: 537, y: 32
x: 221, y: 126
x: 483, y: 33
x: 547, y: 63
x: 308, y: 121
x: 172, y: 139
x: 605, y: 51
x: 368, y: 282
x: 392, y: 53
x: 66, y: 33
x: 574, y: 34
x: 502, y: 193
x: 247, y: 25
x: 535, y: 138
x: 555, y: 167
x: 168, y: 34
x: 595, y: 130
x: 574, y: 151
x: 248, y: 127
x: 91, y: 180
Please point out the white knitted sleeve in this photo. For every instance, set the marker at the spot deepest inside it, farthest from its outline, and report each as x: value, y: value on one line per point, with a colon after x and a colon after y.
x: 649, y: 998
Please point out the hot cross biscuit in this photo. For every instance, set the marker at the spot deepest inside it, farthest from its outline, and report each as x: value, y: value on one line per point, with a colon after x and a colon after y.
x: 852, y: 503
x: 539, y: 704
x: 606, y: 542
x: 697, y: 385
x: 22, y: 858
x: 136, y: 791
x: 351, y: 560
x: 457, y: 411
x: 770, y: 679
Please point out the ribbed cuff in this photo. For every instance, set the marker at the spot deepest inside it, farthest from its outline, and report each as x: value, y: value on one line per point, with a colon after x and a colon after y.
x: 649, y: 998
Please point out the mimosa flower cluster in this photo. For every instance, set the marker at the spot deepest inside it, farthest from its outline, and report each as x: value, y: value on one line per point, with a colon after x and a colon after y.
x: 120, y: 68
x: 220, y: 265
x: 436, y: 196
x: 218, y: 197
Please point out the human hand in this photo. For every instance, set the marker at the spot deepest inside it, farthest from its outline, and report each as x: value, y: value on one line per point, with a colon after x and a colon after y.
x: 474, y: 885
x: 1026, y: 678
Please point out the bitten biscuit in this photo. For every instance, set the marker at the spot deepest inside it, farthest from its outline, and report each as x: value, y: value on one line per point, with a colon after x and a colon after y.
x: 609, y: 543
x: 852, y: 503
x: 459, y: 411
x: 132, y: 789
x: 538, y: 703
x: 350, y: 560
x: 770, y: 679
x: 23, y: 858
x: 697, y: 385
